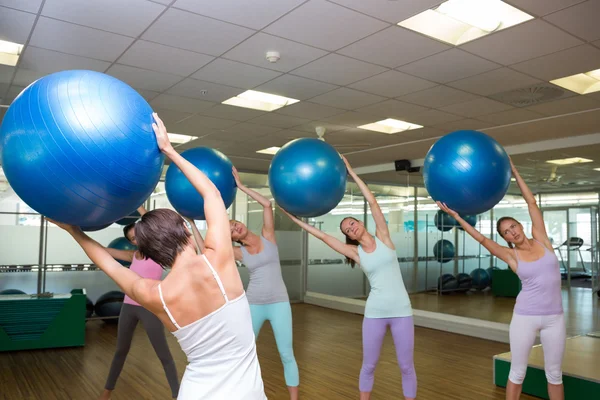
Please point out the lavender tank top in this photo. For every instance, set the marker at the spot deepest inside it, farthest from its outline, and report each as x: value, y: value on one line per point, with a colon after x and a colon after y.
x: 541, y: 281
x: 146, y: 268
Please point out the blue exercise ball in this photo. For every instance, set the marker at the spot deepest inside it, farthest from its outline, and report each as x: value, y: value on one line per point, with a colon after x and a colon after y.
x: 78, y: 147
x: 109, y: 305
x: 307, y: 177
x: 470, y: 219
x: 443, y: 250
x: 443, y: 221
x: 121, y: 243
x: 480, y: 278
x: 89, y: 307
x: 447, y: 282
x: 95, y: 228
x: 11, y: 292
x: 184, y: 197
x: 467, y: 170
x: 131, y: 218
x: 464, y: 281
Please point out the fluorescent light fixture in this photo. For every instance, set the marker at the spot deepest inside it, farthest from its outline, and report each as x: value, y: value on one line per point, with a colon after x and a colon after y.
x: 10, y: 52
x: 585, y: 83
x: 180, y: 139
x: 596, y: 169
x: 459, y: 21
x: 260, y: 101
x: 572, y: 160
x: 390, y: 126
x: 269, y: 150
x: 513, y: 180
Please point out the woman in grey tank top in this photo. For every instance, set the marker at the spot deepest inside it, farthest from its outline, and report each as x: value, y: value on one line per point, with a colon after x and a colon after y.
x: 266, y: 291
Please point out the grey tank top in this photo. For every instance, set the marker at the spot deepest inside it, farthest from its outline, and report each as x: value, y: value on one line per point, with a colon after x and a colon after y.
x: 266, y: 284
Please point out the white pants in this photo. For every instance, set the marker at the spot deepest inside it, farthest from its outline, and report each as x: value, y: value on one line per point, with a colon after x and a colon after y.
x: 523, y: 331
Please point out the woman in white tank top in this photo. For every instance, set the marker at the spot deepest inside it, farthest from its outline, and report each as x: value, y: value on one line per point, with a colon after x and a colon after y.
x: 202, y: 300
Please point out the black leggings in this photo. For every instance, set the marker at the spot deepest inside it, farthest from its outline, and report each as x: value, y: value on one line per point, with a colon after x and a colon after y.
x: 128, y: 320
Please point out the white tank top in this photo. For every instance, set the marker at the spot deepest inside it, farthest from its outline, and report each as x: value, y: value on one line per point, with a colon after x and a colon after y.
x: 221, y: 352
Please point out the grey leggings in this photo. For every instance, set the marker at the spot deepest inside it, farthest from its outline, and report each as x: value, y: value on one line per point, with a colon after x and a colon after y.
x: 128, y: 320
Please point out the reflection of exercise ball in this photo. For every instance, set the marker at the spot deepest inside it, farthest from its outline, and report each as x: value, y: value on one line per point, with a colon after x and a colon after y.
x: 443, y: 221
x: 467, y: 170
x: 443, y: 250
x: 307, y: 177
x: 447, y: 282
x: 215, y: 165
x: 12, y: 291
x: 109, y: 304
x: 89, y: 307
x: 464, y: 281
x: 134, y: 216
x: 78, y: 147
x: 481, y: 278
x: 121, y: 243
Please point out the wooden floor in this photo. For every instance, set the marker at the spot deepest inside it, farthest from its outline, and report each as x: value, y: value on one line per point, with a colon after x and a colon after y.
x: 582, y: 307
x: 328, y: 350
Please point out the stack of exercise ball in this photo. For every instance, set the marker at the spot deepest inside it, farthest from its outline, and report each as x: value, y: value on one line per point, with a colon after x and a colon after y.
x: 78, y: 147
x: 109, y: 305
x: 464, y: 281
x: 447, y: 283
x: 122, y: 243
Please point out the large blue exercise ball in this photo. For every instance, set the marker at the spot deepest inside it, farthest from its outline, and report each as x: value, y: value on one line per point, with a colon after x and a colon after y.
x: 184, y: 197
x: 307, y: 177
x: 78, y: 147
x: 95, y: 228
x: 121, y: 243
x: 467, y: 170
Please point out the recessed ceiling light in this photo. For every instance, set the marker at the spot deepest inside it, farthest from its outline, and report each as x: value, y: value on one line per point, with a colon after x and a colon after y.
x: 460, y: 21
x: 10, y: 52
x: 585, y: 83
x: 260, y: 101
x: 390, y: 126
x: 513, y: 180
x: 572, y: 160
x: 180, y: 139
x: 269, y: 150
x: 596, y: 169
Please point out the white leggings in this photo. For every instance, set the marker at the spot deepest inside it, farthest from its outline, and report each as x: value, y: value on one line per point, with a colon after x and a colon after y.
x: 523, y: 331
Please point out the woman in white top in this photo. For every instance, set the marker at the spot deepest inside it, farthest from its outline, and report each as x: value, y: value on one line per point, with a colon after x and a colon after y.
x: 202, y: 300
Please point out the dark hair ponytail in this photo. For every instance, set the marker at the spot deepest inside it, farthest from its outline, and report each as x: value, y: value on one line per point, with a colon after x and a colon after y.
x: 349, y: 241
x: 499, y: 222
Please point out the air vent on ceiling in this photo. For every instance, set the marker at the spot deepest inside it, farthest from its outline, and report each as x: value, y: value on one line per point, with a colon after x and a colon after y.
x: 531, y: 95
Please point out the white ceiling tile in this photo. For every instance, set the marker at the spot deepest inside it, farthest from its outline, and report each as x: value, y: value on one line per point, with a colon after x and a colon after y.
x: 457, y: 64
x: 511, y: 116
x: 6, y: 74
x: 15, y: 26
x: 165, y: 2
x: 462, y: 124
x: 528, y: 40
x: 311, y: 127
x: 31, y: 6
x: 351, y: 119
x: 75, y: 39
x: 197, y: 124
x: 305, y: 109
x: 477, y: 107
x: 178, y: 103
x: 542, y: 7
x: 171, y: 118
x: 393, y: 47
x: 392, y: 84
x: 596, y: 43
x: 13, y: 92
x: 390, y: 11
x: 129, y: 17
x: 565, y: 106
x: 42, y: 60
x: 496, y: 81
x: 563, y: 63
x: 26, y: 77
x: 153, y: 56
x: 225, y: 111
x: 279, y: 121
x: 293, y: 55
x: 312, y: 24
x: 236, y: 74
x: 142, y: 78
x: 348, y: 99
x: 295, y: 87
x: 254, y: 14
x: 149, y: 95
x: 438, y: 96
x: 194, y: 32
x: 194, y: 88
x: 393, y: 109
x: 580, y: 20
x: 338, y: 70
x: 247, y: 129
x: 433, y: 117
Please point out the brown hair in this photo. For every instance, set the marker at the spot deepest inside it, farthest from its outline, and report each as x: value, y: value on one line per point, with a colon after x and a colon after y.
x: 499, y: 222
x: 349, y: 241
x: 162, y: 235
x: 126, y: 230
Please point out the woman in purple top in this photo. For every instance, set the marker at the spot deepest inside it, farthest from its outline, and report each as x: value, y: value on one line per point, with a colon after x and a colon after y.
x: 539, y: 304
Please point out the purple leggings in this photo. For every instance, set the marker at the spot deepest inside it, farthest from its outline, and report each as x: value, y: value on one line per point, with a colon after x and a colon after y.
x: 403, y: 332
